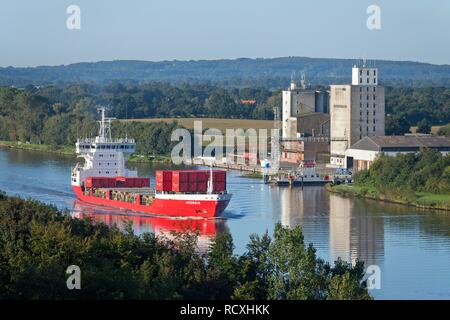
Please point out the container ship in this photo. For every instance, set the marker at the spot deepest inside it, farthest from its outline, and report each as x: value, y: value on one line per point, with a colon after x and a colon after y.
x: 104, y: 180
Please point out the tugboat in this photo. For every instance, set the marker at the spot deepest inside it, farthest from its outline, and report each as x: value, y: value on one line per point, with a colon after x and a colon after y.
x: 305, y: 175
x: 104, y: 180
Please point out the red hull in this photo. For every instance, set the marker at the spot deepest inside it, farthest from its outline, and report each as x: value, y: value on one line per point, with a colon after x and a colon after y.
x: 167, y: 207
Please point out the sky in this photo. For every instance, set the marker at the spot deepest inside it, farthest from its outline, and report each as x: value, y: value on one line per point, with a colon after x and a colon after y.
x: 34, y: 33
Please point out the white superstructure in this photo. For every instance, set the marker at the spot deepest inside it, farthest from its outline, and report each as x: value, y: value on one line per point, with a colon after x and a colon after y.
x: 103, y: 156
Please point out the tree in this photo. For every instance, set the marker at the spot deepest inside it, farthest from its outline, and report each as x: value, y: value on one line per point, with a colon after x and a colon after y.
x: 423, y: 126
x: 396, y: 125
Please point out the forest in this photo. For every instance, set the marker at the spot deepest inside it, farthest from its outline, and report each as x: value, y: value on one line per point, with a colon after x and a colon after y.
x: 38, y: 243
x: 270, y: 73
x: 57, y: 115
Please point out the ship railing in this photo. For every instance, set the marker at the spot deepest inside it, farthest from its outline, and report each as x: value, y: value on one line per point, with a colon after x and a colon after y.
x: 106, y: 140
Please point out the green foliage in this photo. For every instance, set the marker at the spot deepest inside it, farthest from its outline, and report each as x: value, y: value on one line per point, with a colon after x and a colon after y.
x: 57, y: 116
x: 415, y: 104
x: 397, y: 125
x: 423, y: 126
x: 445, y: 130
x: 243, y: 72
x: 38, y: 243
x: 405, y: 174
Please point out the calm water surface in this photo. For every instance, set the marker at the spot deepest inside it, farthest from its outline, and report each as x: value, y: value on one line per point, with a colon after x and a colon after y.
x: 411, y: 247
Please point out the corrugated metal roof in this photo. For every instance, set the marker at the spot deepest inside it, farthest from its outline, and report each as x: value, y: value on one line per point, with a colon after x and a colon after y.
x: 378, y: 143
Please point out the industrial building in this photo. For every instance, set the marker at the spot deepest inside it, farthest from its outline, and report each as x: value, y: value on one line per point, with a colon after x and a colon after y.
x: 361, y: 155
x: 298, y: 102
x: 334, y: 120
x: 357, y: 110
x: 304, y: 149
x: 305, y: 123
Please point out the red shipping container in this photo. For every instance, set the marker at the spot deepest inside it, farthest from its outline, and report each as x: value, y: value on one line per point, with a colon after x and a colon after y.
x: 193, y: 176
x: 163, y: 175
x: 202, y: 176
x: 202, y: 187
x: 180, y: 177
x: 164, y: 180
x: 220, y: 175
x: 164, y: 186
x: 180, y: 187
x: 100, y: 182
x: 192, y: 186
x: 219, y: 187
x: 146, y: 183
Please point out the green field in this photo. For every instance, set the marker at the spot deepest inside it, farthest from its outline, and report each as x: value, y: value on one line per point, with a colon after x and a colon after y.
x: 221, y: 124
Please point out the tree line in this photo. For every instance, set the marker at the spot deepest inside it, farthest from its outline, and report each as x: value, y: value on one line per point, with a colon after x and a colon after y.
x: 422, y: 107
x: 406, y: 174
x: 38, y: 243
x: 58, y: 115
x: 269, y: 73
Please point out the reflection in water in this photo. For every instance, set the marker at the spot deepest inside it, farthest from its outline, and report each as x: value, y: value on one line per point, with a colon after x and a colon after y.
x: 412, y: 247
x: 307, y: 208
x: 354, y: 234
x: 206, y: 229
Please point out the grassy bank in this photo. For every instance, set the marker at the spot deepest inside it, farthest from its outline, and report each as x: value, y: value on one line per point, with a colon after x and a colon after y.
x: 70, y: 151
x: 62, y: 150
x: 253, y: 175
x: 419, y: 199
x: 153, y: 159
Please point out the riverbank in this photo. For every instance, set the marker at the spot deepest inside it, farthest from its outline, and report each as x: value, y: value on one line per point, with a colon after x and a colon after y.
x: 421, y: 200
x: 70, y: 151
x: 62, y: 150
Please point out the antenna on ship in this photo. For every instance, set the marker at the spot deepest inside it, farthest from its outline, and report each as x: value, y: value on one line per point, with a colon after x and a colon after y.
x: 104, y: 132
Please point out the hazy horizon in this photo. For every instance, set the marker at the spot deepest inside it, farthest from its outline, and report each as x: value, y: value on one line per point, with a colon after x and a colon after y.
x: 195, y: 60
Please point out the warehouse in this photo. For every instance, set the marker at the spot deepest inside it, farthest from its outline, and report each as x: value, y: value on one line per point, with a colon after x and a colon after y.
x: 363, y: 153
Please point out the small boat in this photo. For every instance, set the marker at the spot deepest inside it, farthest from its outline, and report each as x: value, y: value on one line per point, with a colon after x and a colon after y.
x: 305, y: 175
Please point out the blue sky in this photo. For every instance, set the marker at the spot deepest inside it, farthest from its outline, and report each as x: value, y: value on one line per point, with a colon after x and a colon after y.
x: 34, y: 32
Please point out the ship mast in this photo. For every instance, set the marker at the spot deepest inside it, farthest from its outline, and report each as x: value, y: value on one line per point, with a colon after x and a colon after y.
x: 104, y: 132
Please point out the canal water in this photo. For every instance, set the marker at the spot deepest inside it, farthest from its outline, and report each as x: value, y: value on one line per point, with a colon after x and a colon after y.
x: 410, y: 246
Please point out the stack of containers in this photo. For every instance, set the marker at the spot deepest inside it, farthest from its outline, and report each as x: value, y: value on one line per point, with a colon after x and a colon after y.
x: 201, y: 183
x: 163, y: 180
x: 197, y: 181
x: 219, y: 180
x: 180, y: 181
x: 117, y: 182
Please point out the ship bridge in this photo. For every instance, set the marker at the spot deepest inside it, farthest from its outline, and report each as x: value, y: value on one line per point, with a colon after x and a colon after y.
x: 103, y: 156
x: 90, y: 145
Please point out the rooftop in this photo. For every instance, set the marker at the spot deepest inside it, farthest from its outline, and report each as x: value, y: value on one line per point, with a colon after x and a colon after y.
x: 378, y: 143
